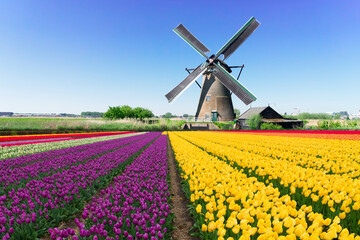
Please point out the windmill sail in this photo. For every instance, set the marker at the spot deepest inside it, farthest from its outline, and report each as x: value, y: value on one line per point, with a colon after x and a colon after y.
x: 233, y: 85
x: 179, y: 89
x: 222, y: 73
x: 239, y: 37
x: 188, y: 37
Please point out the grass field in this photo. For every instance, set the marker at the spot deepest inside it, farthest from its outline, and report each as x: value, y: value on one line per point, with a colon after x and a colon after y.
x: 83, y: 124
x: 13, y: 126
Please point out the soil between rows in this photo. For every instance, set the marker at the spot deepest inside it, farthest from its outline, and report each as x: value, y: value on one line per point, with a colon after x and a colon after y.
x: 182, y: 222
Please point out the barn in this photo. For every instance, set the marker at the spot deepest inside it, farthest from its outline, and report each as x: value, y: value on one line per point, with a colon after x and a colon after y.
x: 268, y: 115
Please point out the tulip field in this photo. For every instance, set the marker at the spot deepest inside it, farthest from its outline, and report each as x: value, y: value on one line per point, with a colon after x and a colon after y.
x: 271, y: 185
x: 238, y: 185
x: 118, y: 185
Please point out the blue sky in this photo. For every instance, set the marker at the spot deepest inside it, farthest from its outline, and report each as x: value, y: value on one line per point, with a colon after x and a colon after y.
x: 74, y: 56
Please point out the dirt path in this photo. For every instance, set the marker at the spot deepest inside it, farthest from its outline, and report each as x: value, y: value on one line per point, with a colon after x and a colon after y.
x: 182, y: 221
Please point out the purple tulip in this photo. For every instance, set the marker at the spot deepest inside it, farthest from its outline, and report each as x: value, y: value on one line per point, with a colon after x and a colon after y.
x: 137, y: 198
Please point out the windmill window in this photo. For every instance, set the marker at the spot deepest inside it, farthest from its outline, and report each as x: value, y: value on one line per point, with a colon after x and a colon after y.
x: 207, y: 116
x: 207, y: 98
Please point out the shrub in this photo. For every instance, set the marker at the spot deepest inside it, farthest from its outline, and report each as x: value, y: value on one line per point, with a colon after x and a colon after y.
x: 333, y: 125
x: 323, y: 124
x: 306, y: 115
x: 270, y: 126
x: 224, y: 125
x: 254, y: 122
x: 352, y: 124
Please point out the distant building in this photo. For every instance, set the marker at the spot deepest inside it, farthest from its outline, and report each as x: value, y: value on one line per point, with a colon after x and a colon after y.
x: 268, y: 115
x: 344, y: 113
x: 354, y: 116
x: 6, y: 114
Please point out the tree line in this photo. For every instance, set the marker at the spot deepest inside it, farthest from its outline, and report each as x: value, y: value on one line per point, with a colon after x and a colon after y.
x: 92, y: 114
x: 125, y: 111
x: 306, y: 115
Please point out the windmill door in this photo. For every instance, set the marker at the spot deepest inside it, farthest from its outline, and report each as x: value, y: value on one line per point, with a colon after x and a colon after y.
x: 214, y: 116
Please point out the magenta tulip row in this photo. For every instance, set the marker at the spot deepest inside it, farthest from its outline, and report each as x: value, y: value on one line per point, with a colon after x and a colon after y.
x: 135, y: 206
x: 22, y: 169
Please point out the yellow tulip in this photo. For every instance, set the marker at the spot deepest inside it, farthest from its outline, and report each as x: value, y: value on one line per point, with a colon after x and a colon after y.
x: 289, y: 222
x: 231, y: 222
x: 299, y: 230
x: 236, y: 229
x: 237, y: 201
x: 278, y: 227
x: 198, y: 208
x: 221, y: 232
x: 211, y: 226
x: 204, y: 228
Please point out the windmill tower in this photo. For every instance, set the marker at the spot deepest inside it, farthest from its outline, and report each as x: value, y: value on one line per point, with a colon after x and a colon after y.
x: 215, y: 99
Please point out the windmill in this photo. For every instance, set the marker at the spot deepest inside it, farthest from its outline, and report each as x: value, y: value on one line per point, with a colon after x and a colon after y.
x: 215, y: 98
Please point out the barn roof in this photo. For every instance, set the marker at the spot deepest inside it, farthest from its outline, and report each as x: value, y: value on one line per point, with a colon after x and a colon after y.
x: 265, y: 113
x: 251, y: 111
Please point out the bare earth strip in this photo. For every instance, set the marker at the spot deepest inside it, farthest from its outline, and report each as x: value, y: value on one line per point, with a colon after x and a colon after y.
x: 182, y: 221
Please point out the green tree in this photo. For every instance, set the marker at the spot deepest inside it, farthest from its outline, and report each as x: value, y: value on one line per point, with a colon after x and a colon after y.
x: 114, y: 113
x: 128, y: 111
x: 141, y: 113
x: 306, y: 115
x: 168, y: 115
x: 146, y: 113
x: 254, y: 122
x: 337, y: 116
x: 125, y: 111
x: 138, y: 112
x: 92, y: 114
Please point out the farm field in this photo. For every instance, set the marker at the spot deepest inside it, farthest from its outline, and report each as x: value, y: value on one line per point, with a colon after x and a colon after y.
x: 6, y: 141
x: 41, y: 125
x: 270, y: 186
x: 237, y: 185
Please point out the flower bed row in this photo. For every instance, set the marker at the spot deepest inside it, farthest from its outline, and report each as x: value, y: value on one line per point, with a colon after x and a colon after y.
x: 27, y: 213
x: 342, y: 135
x: 16, y: 172
x: 135, y: 206
x: 227, y: 204
x: 328, y: 155
x: 351, y: 132
x: 22, y: 142
x: 52, y: 136
x: 335, y: 196
x: 21, y: 150
x: 34, y: 141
